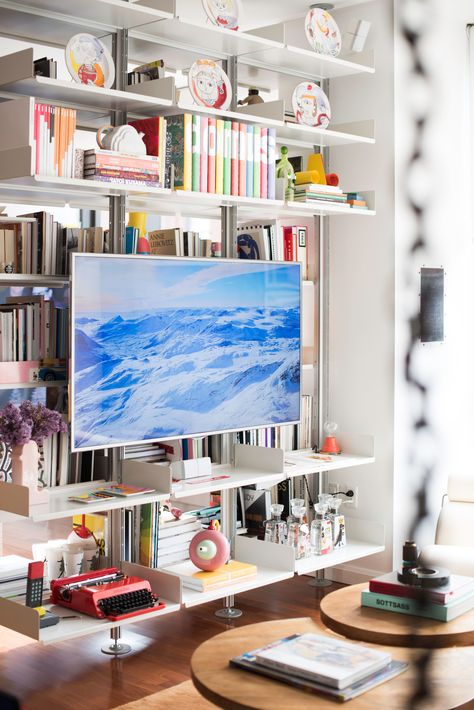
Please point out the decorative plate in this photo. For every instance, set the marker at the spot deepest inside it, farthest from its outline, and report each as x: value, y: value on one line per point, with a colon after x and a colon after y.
x: 89, y: 61
x: 322, y: 32
x: 311, y: 105
x: 223, y: 13
x: 209, y: 84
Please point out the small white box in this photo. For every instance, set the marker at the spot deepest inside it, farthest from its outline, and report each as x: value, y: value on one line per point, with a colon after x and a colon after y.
x: 181, y: 470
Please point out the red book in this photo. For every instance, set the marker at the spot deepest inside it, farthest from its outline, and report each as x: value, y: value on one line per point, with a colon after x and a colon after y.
x: 35, y: 135
x: 211, y: 162
x: 388, y: 584
x: 151, y: 128
x: 289, y: 244
x: 234, y: 189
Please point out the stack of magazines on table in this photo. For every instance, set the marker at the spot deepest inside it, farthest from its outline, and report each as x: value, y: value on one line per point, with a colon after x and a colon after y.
x: 322, y: 665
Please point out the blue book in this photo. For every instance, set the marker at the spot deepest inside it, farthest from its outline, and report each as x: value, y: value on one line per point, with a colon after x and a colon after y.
x: 131, y: 240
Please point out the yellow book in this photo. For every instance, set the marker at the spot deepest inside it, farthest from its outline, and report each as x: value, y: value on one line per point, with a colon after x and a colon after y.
x: 219, y: 156
x: 193, y: 578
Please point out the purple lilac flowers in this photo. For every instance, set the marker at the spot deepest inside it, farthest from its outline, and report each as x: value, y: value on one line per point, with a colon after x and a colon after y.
x: 19, y: 425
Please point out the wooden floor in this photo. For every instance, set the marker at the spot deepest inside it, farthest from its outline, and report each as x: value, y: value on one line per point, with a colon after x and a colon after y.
x: 76, y: 674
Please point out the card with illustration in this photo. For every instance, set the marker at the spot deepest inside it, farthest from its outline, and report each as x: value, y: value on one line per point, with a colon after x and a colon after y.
x: 209, y: 84
x: 223, y: 13
x: 322, y: 32
x: 89, y: 61
x: 311, y: 105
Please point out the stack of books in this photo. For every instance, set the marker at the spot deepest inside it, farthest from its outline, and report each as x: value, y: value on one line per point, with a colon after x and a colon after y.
x: 273, y: 241
x: 196, y: 579
x: 441, y: 603
x: 53, y: 131
x: 146, y: 72
x: 174, y: 537
x: 112, y: 166
x: 314, y: 192
x: 13, y: 575
x: 208, y: 154
x: 322, y: 665
x: 172, y: 242
x: 356, y: 199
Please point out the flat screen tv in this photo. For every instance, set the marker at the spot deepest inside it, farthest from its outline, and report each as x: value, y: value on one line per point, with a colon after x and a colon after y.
x: 169, y: 347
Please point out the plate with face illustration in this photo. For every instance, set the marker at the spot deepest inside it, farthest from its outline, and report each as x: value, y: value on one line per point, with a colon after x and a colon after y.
x: 223, y: 13
x: 209, y: 84
x: 89, y: 61
x: 311, y: 105
x: 322, y: 32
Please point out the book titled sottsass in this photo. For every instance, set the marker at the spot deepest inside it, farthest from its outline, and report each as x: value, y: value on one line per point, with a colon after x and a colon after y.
x: 416, y: 607
x: 321, y: 664
x: 457, y: 587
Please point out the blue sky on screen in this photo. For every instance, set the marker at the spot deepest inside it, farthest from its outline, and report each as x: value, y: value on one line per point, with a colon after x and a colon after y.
x: 127, y: 284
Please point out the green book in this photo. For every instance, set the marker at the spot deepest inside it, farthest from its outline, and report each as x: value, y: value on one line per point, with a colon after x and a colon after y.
x: 405, y: 605
x: 196, y: 153
x: 175, y: 147
x: 227, y: 156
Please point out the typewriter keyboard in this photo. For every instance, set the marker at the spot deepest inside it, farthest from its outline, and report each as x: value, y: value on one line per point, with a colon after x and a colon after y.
x: 128, y: 603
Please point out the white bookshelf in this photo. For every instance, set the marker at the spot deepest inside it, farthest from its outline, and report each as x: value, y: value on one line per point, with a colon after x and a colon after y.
x: 32, y: 385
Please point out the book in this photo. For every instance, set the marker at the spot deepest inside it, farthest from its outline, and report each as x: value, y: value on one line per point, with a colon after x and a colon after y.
x: 211, y: 165
x: 181, y: 527
x: 196, y: 152
x: 249, y: 178
x: 193, y: 578
x: 248, y: 662
x: 164, y: 242
x: 252, y: 242
x: 227, y: 169
x: 234, y: 179
x: 122, y: 489
x: 219, y: 156
x: 271, y: 148
x: 90, y: 497
x: 413, y: 607
x: 322, y: 659
x: 388, y: 584
x: 242, y: 159
x: 263, y: 162
x: 256, y: 161
x: 204, y: 158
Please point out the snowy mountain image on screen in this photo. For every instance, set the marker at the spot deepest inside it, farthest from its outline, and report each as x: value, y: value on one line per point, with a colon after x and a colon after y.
x: 161, y: 372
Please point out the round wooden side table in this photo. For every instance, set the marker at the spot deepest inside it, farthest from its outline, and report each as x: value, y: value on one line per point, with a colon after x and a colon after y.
x: 341, y: 612
x: 451, y: 677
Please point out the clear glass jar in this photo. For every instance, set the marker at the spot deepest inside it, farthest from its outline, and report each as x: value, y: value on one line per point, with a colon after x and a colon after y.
x: 294, y: 502
x: 321, y: 531
x: 338, y: 523
x: 298, y: 532
x: 275, y: 528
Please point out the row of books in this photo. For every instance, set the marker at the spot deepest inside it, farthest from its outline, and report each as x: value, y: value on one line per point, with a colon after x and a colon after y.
x: 287, y: 436
x: 146, y: 72
x: 40, y: 245
x: 329, y: 194
x: 170, y: 242
x: 53, y: 132
x: 442, y: 603
x: 113, y: 166
x: 206, y: 154
x: 273, y: 241
x: 32, y: 328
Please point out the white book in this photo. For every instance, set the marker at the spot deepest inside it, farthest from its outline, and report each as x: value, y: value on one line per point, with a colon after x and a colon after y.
x: 173, y: 558
x: 323, y: 659
x: 12, y: 566
x: 178, y: 541
x: 171, y: 530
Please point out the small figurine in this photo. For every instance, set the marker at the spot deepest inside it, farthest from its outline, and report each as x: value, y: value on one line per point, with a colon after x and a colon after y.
x: 252, y: 97
x: 209, y: 550
x: 284, y: 169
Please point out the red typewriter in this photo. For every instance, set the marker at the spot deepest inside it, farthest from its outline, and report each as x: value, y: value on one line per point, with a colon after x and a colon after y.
x: 106, y: 593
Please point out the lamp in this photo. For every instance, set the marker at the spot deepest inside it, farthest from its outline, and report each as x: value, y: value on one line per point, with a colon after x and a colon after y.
x: 330, y: 445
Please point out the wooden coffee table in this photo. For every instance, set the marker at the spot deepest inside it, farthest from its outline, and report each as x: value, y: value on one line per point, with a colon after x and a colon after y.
x: 341, y: 612
x: 451, y: 677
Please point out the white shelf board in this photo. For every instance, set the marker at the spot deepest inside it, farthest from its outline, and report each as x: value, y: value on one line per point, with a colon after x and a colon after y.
x: 302, y: 463
x: 205, y: 40
x: 73, y: 628
x: 352, y: 551
x: 58, y: 506
x: 81, y: 95
x: 7, y: 280
x: 307, y: 136
x: 111, y: 14
x: 183, y: 107
x: 321, y: 208
x: 263, y: 577
x: 32, y: 385
x: 304, y: 62
x: 235, y: 479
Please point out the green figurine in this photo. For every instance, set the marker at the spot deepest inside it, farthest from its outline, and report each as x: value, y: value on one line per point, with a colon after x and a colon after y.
x: 284, y: 169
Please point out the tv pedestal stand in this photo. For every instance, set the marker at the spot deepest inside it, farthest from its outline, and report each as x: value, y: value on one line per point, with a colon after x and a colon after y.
x: 228, y: 611
x: 319, y: 580
x: 115, y: 648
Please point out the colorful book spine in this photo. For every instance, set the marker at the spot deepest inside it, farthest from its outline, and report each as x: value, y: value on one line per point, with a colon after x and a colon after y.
x: 204, y: 152
x: 188, y: 152
x: 219, y: 156
x: 271, y: 156
x: 227, y: 156
x: 235, y: 159
x: 211, y: 165
x: 263, y: 162
x: 242, y: 159
x: 196, y: 135
x: 405, y: 605
x: 249, y: 159
x: 256, y: 161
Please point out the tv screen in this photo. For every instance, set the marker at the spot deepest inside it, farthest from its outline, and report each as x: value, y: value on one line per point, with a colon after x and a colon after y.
x: 166, y: 347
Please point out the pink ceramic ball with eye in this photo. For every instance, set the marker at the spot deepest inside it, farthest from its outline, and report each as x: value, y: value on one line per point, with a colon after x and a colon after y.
x: 209, y: 549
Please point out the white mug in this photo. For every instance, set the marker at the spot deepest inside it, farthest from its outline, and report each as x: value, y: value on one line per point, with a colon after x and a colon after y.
x: 73, y: 556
